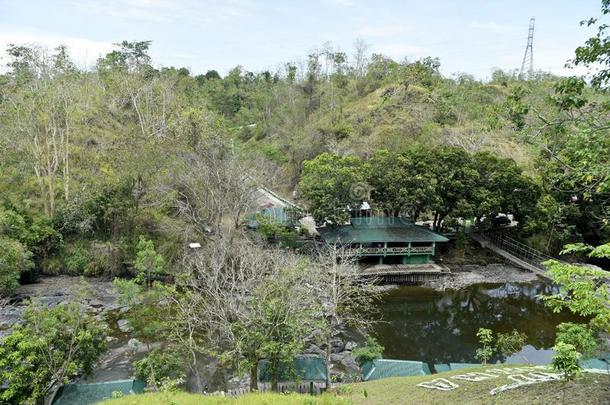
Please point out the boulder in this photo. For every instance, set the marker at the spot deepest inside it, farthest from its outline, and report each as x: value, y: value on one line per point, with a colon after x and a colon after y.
x: 136, y: 346
x: 124, y: 325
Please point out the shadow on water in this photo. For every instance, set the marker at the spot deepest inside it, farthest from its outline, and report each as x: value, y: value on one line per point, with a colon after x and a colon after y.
x: 440, y: 327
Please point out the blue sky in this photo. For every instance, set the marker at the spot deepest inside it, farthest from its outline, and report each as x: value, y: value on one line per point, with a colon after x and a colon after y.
x: 468, y: 36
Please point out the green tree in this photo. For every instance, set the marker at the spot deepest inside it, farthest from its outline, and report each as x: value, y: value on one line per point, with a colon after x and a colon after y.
x: 566, y: 360
x: 281, y: 317
x: 371, y: 350
x: 510, y: 343
x: 14, y: 260
x: 485, y: 352
x: 51, y: 346
x: 160, y: 367
x: 595, y: 51
x: 149, y: 264
x: 332, y: 184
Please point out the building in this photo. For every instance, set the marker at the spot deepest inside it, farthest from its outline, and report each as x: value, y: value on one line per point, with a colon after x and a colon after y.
x: 385, y: 240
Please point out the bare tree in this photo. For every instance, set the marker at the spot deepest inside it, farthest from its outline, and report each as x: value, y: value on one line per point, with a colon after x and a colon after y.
x: 211, y: 186
x: 248, y: 303
x: 347, y: 298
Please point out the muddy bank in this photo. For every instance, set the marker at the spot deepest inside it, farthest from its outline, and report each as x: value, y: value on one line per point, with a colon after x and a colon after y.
x: 466, y: 275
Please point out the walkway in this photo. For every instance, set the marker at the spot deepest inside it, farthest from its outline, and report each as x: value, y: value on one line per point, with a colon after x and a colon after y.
x: 514, y: 251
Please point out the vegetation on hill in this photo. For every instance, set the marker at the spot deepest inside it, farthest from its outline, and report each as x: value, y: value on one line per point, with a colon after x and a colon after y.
x: 112, y: 171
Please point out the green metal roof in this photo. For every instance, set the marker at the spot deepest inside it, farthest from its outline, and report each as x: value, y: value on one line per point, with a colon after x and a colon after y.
x: 274, y: 215
x: 86, y: 394
x: 379, y: 229
x: 385, y: 368
x: 303, y: 368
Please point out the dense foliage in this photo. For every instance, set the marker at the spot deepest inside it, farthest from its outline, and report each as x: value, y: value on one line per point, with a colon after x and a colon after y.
x: 52, y: 346
x: 441, y: 184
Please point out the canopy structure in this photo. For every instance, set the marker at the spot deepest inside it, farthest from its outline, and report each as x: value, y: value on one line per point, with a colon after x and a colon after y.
x: 383, y: 237
x: 385, y: 368
x: 86, y: 394
x: 303, y: 369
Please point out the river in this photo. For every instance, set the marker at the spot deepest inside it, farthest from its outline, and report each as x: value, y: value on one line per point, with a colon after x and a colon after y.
x: 440, y: 327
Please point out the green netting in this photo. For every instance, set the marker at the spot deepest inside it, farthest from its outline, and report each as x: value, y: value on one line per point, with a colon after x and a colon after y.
x: 594, y: 364
x: 439, y: 368
x: 303, y: 368
x: 458, y: 366
x: 384, y: 368
x: 86, y: 394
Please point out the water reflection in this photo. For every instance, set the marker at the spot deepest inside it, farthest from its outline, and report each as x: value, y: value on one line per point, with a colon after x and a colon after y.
x: 440, y: 327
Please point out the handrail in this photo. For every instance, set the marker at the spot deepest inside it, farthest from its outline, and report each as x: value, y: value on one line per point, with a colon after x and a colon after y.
x: 518, y: 249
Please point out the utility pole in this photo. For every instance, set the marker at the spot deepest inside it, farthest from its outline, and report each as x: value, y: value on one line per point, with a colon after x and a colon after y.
x: 528, y: 57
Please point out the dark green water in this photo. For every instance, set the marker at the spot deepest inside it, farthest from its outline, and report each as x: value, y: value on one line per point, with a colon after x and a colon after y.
x: 440, y: 327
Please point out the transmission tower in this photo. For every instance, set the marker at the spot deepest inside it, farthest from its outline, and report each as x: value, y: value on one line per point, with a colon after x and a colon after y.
x: 528, y: 56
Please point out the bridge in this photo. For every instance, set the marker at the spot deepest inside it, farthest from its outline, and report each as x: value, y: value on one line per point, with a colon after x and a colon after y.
x: 514, y: 251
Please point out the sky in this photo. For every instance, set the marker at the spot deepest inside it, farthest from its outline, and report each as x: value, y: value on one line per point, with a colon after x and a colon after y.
x: 473, y: 37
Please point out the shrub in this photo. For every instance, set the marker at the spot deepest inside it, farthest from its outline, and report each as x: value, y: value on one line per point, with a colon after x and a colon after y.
x: 371, y: 350
x: 565, y: 360
x: 485, y: 351
x: 582, y: 337
x: 14, y: 260
x: 510, y: 343
x: 159, y: 366
x: 77, y: 259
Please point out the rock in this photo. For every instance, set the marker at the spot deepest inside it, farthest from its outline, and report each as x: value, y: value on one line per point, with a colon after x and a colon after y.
x: 124, y: 325
x: 337, y: 346
x: 349, y: 346
x: 313, y: 349
x: 345, y: 363
x: 110, y: 339
x: 136, y: 346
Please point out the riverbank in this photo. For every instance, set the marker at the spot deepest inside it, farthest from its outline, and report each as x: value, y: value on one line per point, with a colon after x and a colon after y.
x: 466, y: 275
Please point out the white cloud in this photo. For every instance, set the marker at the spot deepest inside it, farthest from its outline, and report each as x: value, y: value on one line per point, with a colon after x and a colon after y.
x: 164, y: 11
x: 382, y: 31
x: 83, y: 51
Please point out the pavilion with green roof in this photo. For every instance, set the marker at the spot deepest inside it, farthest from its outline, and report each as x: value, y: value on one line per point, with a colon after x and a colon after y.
x: 387, y: 239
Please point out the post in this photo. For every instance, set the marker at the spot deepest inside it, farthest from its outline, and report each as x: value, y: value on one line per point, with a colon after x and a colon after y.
x: 433, y: 247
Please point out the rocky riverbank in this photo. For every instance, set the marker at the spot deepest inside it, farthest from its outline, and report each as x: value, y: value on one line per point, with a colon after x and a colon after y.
x: 466, y: 275
x: 101, y: 300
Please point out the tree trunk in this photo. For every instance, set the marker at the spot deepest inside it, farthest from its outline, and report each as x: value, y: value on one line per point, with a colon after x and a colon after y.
x: 274, y: 382
x: 328, y: 358
x: 254, y: 377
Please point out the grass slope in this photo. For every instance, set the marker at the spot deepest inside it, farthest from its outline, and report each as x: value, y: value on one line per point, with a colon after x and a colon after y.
x: 590, y: 389
x: 182, y: 398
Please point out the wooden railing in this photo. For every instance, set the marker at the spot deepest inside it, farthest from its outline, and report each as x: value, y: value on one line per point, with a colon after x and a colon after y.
x: 383, y: 251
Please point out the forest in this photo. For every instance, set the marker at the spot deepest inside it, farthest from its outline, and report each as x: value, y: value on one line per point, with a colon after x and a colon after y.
x: 112, y: 170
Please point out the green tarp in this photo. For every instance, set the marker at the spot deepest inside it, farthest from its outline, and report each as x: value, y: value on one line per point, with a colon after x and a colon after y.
x: 87, y: 394
x: 384, y: 368
x: 303, y: 369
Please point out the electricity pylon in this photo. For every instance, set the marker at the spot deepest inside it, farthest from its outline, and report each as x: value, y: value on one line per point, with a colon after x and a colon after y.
x: 528, y: 57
